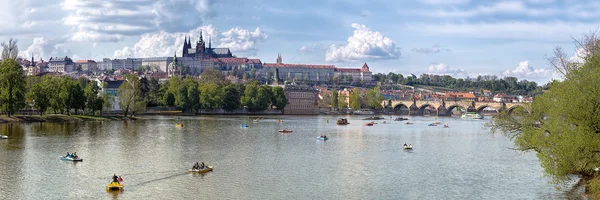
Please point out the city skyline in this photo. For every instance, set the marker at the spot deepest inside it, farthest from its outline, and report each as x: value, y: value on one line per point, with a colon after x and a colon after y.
x: 455, y: 37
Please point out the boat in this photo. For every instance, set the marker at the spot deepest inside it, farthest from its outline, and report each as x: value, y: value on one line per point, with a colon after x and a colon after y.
x: 471, y: 115
x: 408, y: 147
x: 207, y: 169
x: 285, y: 131
x: 370, y: 124
x: 279, y: 121
x: 400, y: 119
x: 244, y: 126
x: 408, y: 123
x: 3, y: 136
x: 432, y: 124
x: 373, y: 118
x: 322, y: 138
x: 114, y: 186
x: 436, y: 122
x: 364, y: 112
x: 78, y: 159
x: 179, y: 125
x: 446, y: 126
x: 342, y: 121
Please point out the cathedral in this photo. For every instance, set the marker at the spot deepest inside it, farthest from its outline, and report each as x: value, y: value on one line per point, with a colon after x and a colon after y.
x: 201, y: 51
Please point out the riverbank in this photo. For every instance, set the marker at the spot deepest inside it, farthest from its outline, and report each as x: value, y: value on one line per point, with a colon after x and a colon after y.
x: 58, y: 118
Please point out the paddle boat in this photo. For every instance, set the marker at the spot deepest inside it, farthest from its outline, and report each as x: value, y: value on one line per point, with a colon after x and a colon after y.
x: 322, y: 138
x: 279, y: 121
x: 432, y: 124
x: 400, y: 119
x: 179, y: 125
x: 408, y: 123
x: 446, y: 126
x: 244, y: 126
x: 114, y: 186
x: 285, y: 131
x: 408, y: 147
x: 206, y: 169
x: 370, y: 124
x: 342, y: 121
x: 68, y: 158
x: 3, y: 136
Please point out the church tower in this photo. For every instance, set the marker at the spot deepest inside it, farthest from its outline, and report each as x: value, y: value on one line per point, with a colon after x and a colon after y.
x: 278, y: 60
x: 173, y: 68
x: 185, y: 47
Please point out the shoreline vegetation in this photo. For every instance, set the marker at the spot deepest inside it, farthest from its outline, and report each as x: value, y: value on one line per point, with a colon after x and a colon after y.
x: 58, y: 118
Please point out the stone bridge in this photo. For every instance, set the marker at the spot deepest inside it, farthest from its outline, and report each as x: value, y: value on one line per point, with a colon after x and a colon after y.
x: 444, y: 108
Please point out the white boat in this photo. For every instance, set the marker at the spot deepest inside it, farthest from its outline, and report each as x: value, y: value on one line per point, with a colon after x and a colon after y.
x: 408, y: 147
x: 78, y: 159
x: 364, y: 112
x: 471, y: 115
x: 3, y: 136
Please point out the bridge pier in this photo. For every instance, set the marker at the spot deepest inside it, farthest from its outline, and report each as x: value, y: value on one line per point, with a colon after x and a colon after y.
x: 414, y: 110
x: 442, y: 111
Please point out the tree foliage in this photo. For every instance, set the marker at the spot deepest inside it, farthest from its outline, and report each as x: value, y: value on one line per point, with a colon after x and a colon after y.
x: 129, y: 94
x: 12, y: 86
x: 231, y: 97
x: 10, y: 50
x: 563, y: 124
x: 278, y: 98
x: 355, y: 99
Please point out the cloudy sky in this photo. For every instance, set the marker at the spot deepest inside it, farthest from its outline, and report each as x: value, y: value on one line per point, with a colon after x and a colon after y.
x: 456, y: 37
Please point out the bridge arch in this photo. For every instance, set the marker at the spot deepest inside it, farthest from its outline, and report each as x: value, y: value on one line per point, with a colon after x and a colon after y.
x: 516, y: 107
x: 401, y: 109
x: 482, y: 107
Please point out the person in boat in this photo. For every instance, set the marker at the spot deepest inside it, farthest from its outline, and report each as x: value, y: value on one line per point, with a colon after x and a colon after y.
x: 405, y: 145
x: 120, y: 179
x: 196, y: 166
x: 202, y: 165
x: 74, y: 155
x: 324, y: 137
x: 115, y: 178
x: 66, y: 156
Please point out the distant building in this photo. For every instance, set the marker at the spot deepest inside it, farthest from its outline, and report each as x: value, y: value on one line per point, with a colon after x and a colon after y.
x: 111, y: 88
x: 302, y: 100
x: 311, y: 72
x: 61, y: 64
x: 87, y: 65
x: 362, y: 74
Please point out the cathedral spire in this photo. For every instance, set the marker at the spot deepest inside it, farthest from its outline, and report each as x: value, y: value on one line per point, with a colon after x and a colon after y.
x: 209, y: 42
x: 200, y: 41
x: 32, y: 61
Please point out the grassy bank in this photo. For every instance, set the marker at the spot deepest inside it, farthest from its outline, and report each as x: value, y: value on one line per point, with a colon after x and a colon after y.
x: 57, y: 118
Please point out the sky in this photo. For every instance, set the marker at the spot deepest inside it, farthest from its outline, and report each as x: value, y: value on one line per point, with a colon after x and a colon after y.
x: 461, y: 38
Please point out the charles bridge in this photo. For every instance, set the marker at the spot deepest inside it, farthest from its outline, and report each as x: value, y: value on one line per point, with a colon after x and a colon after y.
x: 444, y: 108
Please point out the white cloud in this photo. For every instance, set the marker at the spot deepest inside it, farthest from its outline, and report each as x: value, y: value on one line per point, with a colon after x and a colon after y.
x: 503, y: 7
x: 443, y: 69
x: 241, y: 40
x: 164, y: 44
x: 363, y: 45
x: 27, y: 16
x: 436, y: 48
x: 45, y: 48
x: 308, y: 49
x: 524, y: 71
x: 438, y: 2
x: 111, y: 20
x: 552, y: 30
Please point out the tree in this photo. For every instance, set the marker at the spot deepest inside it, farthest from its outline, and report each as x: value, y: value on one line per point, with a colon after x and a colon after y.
x: 38, y: 94
x: 278, y: 98
x: 193, y: 95
x: 12, y: 85
x: 210, y: 96
x: 10, y: 50
x: 231, y: 97
x: 154, y: 92
x: 355, y: 99
x: 250, y: 93
x: 374, y: 98
x: 334, y: 99
x: 263, y: 98
x: 94, y: 102
x: 212, y: 75
x: 563, y: 124
x: 129, y: 95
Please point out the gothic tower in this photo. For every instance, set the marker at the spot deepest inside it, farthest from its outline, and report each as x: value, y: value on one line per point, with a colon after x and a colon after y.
x: 185, y: 47
x: 278, y: 60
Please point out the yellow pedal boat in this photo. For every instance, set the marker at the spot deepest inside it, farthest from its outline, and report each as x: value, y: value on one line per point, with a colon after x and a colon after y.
x: 179, y: 125
x: 114, y: 186
x: 207, y: 169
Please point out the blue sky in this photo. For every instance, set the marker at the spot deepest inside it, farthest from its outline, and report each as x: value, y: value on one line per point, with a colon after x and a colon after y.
x: 456, y: 37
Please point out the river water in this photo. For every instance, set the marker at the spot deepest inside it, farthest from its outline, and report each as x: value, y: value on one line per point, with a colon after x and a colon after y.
x: 464, y: 161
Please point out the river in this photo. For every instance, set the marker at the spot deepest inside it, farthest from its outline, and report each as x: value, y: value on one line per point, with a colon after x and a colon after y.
x: 464, y: 161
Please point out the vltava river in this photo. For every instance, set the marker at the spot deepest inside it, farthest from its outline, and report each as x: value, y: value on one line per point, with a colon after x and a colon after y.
x: 464, y: 161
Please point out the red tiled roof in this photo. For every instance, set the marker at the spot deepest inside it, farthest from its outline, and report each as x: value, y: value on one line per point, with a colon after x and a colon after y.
x: 233, y: 60
x: 254, y: 61
x: 85, y: 61
x: 365, y: 68
x: 299, y: 65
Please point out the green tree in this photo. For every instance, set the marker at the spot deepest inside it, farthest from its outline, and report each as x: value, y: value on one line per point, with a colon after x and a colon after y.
x: 563, y: 124
x: 155, y: 93
x: 231, y: 97
x: 129, y: 94
x: 210, y: 96
x: 212, y: 75
x: 278, y: 98
x: 262, y: 99
x: 249, y: 95
x: 94, y: 102
x: 192, y: 95
x: 374, y: 98
x: 12, y: 85
x: 10, y: 50
x: 334, y: 99
x: 38, y: 94
x: 355, y: 99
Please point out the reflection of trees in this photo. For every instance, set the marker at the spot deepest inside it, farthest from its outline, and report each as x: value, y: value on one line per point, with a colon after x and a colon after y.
x: 45, y: 129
